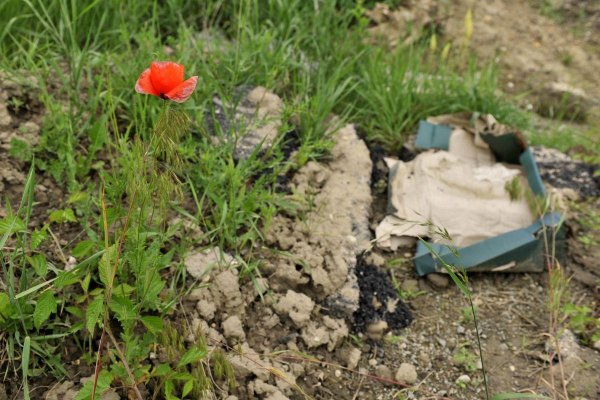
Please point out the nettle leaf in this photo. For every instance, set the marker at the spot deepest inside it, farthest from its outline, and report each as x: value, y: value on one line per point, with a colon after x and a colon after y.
x: 162, y: 370
x: 39, y: 264
x: 12, y: 224
x: 123, y: 309
x: 191, y: 356
x: 106, y: 265
x: 62, y: 216
x: 83, y: 248
x: 38, y: 237
x: 77, y: 197
x: 169, y: 388
x: 6, y: 309
x: 92, y: 313
x: 187, y: 388
x: 153, y: 323
x: 45, y: 306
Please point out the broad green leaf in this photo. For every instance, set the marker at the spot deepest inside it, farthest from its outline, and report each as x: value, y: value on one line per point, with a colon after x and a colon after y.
x: 191, y: 356
x: 83, y: 248
x: 123, y: 309
x: 106, y: 266
x: 5, y: 307
x: 46, y: 305
x: 162, y: 370
x: 153, y: 323
x: 77, y: 197
x: 92, y: 313
x: 187, y: 388
x: 85, y: 282
x: 39, y: 264
x: 123, y: 289
x: 62, y: 216
x: 169, y: 388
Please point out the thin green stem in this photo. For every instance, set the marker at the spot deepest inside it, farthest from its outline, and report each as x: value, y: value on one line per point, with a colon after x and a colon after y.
x: 485, y: 382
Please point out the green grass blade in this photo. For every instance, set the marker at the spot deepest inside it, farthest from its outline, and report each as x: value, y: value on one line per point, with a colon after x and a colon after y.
x: 25, y: 366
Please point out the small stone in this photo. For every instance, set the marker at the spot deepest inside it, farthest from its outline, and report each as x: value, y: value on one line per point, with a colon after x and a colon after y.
x: 233, y: 329
x: 63, y: 391
x: 410, y: 286
x: 441, y: 342
x: 597, y: 345
x: 383, y: 371
x: 277, y: 396
x: 463, y: 379
x: 512, y: 368
x: 110, y: 394
x: 338, y: 373
x: 376, y: 259
x: 439, y: 281
x: 424, y: 358
x: 351, y: 356
x: 373, y: 362
x: 376, y: 330
x: 460, y: 330
x: 406, y: 373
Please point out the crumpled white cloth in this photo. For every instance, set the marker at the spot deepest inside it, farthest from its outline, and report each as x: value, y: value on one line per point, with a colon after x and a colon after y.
x: 461, y: 191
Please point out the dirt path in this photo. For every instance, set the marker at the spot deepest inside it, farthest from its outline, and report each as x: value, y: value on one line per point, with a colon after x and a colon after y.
x: 533, y: 51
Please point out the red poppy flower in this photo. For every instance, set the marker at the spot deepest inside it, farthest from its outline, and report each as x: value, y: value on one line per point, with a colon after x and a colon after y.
x: 165, y: 80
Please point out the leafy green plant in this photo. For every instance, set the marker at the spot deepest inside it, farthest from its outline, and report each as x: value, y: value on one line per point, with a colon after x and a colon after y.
x: 582, y: 321
x: 465, y: 358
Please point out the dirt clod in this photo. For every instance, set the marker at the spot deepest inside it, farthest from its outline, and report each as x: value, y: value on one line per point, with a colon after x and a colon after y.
x: 297, y: 306
x: 199, y: 263
x: 62, y: 391
x: 233, y: 329
x: 406, y: 373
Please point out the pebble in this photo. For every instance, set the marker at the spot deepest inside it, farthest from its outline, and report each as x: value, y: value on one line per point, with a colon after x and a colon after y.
x: 597, y: 345
x: 439, y: 281
x: 373, y: 362
x: 376, y: 330
x: 410, y: 286
x: 460, y: 330
x: 441, y: 342
x: 383, y: 371
x: 407, y: 373
x: 463, y: 379
x: 338, y: 373
x: 512, y: 368
x: 352, y: 357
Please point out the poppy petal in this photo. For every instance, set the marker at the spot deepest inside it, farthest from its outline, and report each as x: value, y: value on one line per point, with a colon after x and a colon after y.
x: 182, y: 92
x: 166, y: 76
x: 144, y: 84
